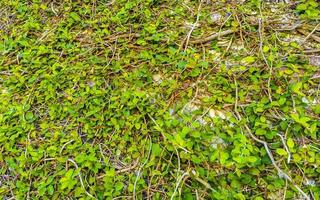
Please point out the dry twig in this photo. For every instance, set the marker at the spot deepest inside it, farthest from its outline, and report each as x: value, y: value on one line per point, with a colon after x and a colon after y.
x: 193, y: 27
x: 212, y: 36
x: 314, y: 37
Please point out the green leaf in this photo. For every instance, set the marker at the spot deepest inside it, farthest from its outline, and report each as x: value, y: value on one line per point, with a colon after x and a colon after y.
x: 290, y: 143
x: 261, y: 131
x: 252, y: 159
x: 50, y: 189
x: 281, y: 152
x: 301, y: 7
x: 248, y: 60
x: 196, y: 134
x: 179, y: 140
x: 266, y: 49
x: 282, y: 101
x: 29, y: 116
x: 303, y: 120
x: 296, y: 87
x: 214, y: 156
x: 75, y: 16
x: 69, y: 174
x: 195, y: 72
x: 223, y: 157
x: 156, y: 150
x: 296, y: 158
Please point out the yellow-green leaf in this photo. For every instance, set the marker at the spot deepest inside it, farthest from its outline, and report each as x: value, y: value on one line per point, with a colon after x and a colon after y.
x: 290, y: 143
x: 281, y: 152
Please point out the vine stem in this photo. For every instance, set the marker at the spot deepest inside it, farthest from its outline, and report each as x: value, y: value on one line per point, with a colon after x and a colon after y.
x: 193, y: 27
x: 139, y: 171
x: 281, y: 173
x: 264, y: 58
x: 81, y: 181
x: 178, y: 183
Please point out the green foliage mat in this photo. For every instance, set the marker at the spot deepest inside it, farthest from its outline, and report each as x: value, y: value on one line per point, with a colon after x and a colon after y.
x: 150, y: 99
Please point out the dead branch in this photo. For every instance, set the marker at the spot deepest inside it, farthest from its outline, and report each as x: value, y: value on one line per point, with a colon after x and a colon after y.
x: 212, y: 36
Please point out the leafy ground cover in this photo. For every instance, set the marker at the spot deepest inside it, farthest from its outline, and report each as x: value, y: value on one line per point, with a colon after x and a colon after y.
x: 149, y: 99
